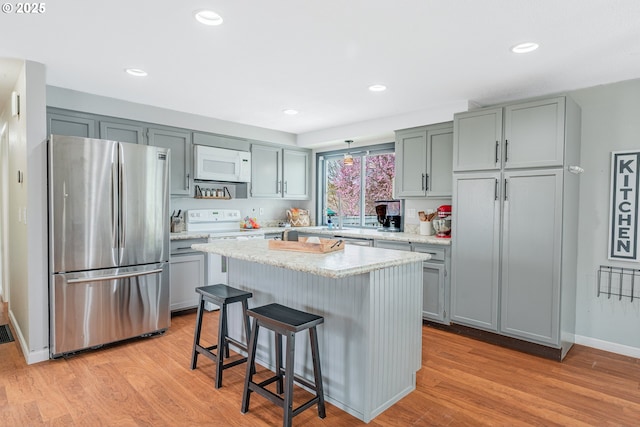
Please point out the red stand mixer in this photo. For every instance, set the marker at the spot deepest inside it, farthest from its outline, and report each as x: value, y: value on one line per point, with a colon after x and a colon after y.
x: 442, y: 225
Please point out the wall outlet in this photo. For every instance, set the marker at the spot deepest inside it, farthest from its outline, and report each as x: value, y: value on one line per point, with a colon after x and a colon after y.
x: 261, y: 211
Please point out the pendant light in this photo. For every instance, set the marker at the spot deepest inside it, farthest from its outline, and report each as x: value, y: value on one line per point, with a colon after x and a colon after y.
x: 348, y: 159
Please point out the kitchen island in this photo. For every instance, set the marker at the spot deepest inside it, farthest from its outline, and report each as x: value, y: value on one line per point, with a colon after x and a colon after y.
x: 371, y: 299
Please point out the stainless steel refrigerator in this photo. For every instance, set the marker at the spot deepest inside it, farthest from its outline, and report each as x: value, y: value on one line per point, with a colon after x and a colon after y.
x: 108, y: 242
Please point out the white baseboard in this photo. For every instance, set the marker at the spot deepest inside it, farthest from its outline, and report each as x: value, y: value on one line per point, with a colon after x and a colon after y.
x: 31, y: 357
x: 612, y: 347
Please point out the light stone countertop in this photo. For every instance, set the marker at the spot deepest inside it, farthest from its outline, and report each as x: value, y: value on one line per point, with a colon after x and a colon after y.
x: 185, y: 235
x: 364, y: 233
x: 345, y: 232
x: 351, y: 261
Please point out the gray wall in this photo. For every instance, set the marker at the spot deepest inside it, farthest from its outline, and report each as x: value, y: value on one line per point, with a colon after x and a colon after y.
x: 86, y: 102
x: 610, y: 122
x: 25, y: 213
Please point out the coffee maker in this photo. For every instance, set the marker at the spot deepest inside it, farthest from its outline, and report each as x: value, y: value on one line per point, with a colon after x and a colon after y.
x: 388, y: 212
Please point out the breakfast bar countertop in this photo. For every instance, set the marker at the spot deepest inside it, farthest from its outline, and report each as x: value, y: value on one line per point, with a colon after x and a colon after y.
x: 373, y: 234
x: 352, y: 260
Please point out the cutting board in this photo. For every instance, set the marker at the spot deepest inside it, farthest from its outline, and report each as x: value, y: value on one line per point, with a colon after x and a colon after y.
x: 325, y: 245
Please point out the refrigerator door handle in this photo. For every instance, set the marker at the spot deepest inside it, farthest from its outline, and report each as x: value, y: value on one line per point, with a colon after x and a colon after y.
x: 114, y: 205
x: 114, y: 276
x: 123, y: 198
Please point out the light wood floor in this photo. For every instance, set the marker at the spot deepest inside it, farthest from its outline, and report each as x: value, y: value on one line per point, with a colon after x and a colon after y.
x: 148, y: 382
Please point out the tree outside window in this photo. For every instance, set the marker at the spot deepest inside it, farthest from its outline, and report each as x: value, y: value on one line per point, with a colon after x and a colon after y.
x: 373, y: 172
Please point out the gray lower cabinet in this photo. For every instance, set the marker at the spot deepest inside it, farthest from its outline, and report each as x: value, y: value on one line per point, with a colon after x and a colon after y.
x: 70, y: 125
x: 475, y: 245
x: 506, y: 275
x: 436, y: 283
x: 435, y: 277
x: 280, y: 173
x: 531, y: 261
x: 179, y: 142
x: 424, y: 161
x: 122, y: 132
x: 188, y: 271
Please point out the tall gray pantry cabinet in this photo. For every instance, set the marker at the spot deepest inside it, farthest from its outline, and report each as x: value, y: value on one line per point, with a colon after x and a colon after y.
x: 515, y: 219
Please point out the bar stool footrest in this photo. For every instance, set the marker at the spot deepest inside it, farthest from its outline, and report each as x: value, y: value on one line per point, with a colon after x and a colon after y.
x: 274, y: 398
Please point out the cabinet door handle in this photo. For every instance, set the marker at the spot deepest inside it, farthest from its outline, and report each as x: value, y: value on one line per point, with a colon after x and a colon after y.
x: 496, y: 190
x: 286, y: 188
x: 497, y: 148
x: 277, y: 186
x: 506, y: 150
x: 188, y: 183
x: 427, y: 182
x: 423, y: 183
x: 505, y: 190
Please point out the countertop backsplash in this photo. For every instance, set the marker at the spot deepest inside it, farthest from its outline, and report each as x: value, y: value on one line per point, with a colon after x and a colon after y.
x: 273, y: 210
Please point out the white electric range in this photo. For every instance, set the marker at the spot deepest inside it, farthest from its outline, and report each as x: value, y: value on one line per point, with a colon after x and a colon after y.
x: 219, y: 224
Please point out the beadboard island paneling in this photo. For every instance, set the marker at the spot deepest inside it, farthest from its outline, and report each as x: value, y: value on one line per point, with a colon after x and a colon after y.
x: 371, y: 299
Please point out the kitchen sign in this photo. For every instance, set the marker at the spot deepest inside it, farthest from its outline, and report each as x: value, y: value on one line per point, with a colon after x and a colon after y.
x: 623, y: 232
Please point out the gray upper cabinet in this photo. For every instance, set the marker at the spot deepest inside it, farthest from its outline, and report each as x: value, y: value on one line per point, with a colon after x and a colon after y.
x: 534, y: 134
x: 179, y: 142
x: 279, y: 173
x: 220, y: 141
x: 411, y: 163
x: 122, y: 132
x: 439, y: 162
x: 477, y: 140
x: 266, y: 164
x: 296, y: 172
x: 59, y: 124
x: 424, y: 161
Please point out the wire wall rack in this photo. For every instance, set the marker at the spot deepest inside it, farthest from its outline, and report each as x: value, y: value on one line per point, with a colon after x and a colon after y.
x: 618, y: 282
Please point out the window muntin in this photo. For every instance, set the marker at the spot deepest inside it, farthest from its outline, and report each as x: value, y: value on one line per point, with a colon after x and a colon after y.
x: 341, y: 186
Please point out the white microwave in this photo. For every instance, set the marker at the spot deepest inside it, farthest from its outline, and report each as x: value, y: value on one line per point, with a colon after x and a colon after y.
x: 220, y: 164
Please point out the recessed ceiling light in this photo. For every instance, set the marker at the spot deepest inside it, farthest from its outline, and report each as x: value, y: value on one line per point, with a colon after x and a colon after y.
x: 525, y: 47
x: 208, y: 17
x: 290, y: 112
x: 377, y: 88
x: 136, y: 72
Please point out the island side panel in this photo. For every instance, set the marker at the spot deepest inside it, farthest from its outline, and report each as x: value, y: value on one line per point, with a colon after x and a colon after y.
x: 341, y: 338
x: 370, y: 343
x: 396, y: 334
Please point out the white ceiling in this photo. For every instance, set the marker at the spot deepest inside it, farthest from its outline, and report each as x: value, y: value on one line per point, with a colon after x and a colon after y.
x: 319, y: 56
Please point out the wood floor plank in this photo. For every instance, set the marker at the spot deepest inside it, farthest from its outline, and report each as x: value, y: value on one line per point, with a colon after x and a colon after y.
x: 463, y: 382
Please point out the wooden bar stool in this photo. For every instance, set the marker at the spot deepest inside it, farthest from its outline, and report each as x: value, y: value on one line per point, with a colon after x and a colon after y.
x: 221, y: 295
x: 284, y: 321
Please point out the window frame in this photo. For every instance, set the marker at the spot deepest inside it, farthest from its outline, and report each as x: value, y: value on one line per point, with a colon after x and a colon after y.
x: 321, y: 178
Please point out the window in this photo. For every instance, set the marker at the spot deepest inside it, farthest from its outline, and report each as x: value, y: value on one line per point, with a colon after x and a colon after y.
x: 340, y: 188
